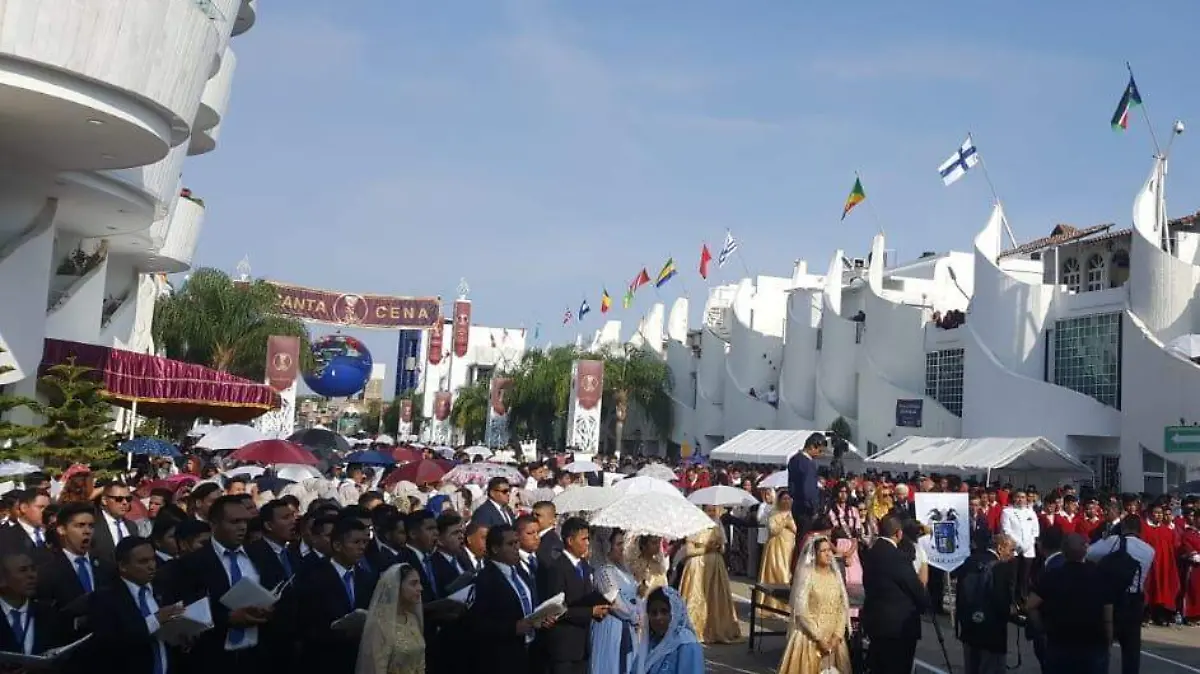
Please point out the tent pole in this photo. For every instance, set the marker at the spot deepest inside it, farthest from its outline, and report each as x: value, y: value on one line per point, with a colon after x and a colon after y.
x: 988, y: 483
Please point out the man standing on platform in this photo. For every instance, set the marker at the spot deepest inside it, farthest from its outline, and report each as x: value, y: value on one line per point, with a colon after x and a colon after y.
x: 802, y: 485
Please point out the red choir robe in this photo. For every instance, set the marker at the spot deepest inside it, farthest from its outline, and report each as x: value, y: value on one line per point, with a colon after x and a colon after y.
x: 1189, y: 553
x: 993, y: 517
x: 1162, y: 587
x: 1059, y: 520
x: 1084, y: 526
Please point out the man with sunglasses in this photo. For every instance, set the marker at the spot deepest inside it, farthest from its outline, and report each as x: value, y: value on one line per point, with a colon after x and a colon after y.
x: 495, y: 511
x: 111, y: 526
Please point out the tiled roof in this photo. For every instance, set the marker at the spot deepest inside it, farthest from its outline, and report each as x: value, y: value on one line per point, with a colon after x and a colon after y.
x: 1061, y: 234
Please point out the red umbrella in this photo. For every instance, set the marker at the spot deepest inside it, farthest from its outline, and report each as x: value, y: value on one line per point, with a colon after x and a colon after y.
x: 417, y: 472
x: 406, y: 454
x: 274, y: 451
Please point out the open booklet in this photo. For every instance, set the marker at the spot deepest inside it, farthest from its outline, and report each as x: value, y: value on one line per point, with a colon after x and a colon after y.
x: 352, y: 623
x: 50, y: 659
x: 248, y: 593
x: 554, y: 607
x: 196, y: 619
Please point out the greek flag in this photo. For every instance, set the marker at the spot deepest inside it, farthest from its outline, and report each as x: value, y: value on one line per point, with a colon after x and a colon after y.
x: 730, y: 247
x: 956, y: 166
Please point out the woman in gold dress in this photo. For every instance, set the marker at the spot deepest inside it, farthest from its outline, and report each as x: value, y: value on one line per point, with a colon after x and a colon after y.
x: 776, y: 566
x: 393, y: 639
x: 705, y: 588
x: 646, y: 563
x: 820, y: 615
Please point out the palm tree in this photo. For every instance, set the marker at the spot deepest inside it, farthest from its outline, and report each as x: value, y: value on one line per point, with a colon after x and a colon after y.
x: 470, y: 411
x: 638, y: 376
x: 540, y: 392
x: 216, y: 322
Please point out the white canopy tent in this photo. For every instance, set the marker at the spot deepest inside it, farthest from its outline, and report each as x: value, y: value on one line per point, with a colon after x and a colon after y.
x: 980, y: 455
x: 772, y: 447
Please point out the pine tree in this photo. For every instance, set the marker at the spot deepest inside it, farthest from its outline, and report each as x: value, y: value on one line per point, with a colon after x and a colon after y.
x: 13, y: 437
x: 77, y: 419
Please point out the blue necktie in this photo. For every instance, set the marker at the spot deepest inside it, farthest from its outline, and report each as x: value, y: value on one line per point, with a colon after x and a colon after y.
x: 429, y: 572
x: 348, y: 581
x: 532, y: 565
x: 121, y: 530
x: 583, y: 569
x: 38, y: 540
x: 18, y: 629
x: 526, y: 604
x: 85, y: 573
x: 286, y: 562
x: 144, y: 605
x: 236, y: 634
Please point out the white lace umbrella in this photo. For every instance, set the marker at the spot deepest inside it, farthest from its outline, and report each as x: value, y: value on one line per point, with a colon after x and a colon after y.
x: 478, y: 450
x: 582, y: 467
x: 232, y: 436
x: 480, y: 473
x: 777, y: 480
x: 641, y: 484
x: 585, y: 499
x: 14, y: 468
x: 721, y: 495
x: 296, y: 472
x: 251, y: 471
x: 654, y: 515
x: 384, y: 439
x: 658, y: 472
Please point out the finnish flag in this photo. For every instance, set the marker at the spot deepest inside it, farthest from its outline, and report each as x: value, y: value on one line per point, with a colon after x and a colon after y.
x: 956, y: 166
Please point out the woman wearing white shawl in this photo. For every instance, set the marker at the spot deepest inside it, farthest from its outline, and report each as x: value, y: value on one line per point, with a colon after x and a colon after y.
x: 393, y: 639
x: 669, y: 643
x: 614, y: 638
x: 820, y: 614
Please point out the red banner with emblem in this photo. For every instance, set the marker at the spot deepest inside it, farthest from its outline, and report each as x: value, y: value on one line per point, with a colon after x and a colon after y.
x: 441, y: 405
x: 406, y: 411
x: 387, y: 312
x: 589, y: 382
x: 283, y: 361
x: 462, y: 327
x: 436, y: 341
x: 500, y: 387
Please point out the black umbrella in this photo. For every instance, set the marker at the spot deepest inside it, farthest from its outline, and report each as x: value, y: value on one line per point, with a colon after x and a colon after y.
x: 324, y: 443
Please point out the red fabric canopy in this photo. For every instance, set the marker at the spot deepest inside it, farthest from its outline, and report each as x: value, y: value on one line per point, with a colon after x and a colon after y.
x: 162, y: 387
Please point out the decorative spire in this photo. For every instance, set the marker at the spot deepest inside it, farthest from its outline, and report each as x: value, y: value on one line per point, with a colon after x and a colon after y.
x: 463, y: 288
x: 243, y: 269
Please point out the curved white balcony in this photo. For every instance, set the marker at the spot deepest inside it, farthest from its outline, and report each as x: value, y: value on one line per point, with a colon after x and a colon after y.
x: 96, y: 204
x: 26, y: 250
x: 203, y: 142
x: 798, y: 378
x: 649, y: 331
x: 755, y: 347
x: 1162, y: 287
x: 1004, y: 358
x: 179, y: 245
x: 215, y: 99
x: 102, y: 84
x: 76, y: 305
x: 837, y: 364
x: 225, y: 20
x: 128, y: 325
x: 246, y: 16
x: 682, y: 365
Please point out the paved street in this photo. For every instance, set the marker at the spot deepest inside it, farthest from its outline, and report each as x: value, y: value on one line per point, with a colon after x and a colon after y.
x: 1164, y: 650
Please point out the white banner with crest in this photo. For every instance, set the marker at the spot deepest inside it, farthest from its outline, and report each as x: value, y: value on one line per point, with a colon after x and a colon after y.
x: 947, y: 517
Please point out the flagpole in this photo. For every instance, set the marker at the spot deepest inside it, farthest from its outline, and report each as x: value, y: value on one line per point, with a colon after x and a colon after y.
x: 871, y: 207
x: 1146, y: 116
x: 741, y: 259
x: 991, y: 186
x: 681, y: 281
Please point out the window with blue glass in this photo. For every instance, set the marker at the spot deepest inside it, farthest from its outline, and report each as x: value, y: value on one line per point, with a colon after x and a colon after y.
x: 944, y: 379
x: 1087, y: 356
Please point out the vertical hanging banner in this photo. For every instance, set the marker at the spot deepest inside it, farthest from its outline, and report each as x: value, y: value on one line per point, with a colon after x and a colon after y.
x: 436, y: 339
x: 441, y: 405
x: 589, y: 382
x: 947, y: 516
x: 406, y: 411
x: 583, y: 410
x: 283, y: 361
x: 462, y: 327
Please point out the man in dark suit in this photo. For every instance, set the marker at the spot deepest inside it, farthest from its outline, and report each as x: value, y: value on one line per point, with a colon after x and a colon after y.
x: 421, y: 530
x: 566, y: 642
x: 383, y: 551
x: 893, y: 604
x: 503, y: 599
x: 495, y: 509
x: 277, y: 562
x: 232, y: 645
x: 336, y: 587
x: 111, y: 525
x: 126, y: 615
x: 983, y: 615
x: 448, y: 563
x: 551, y: 546
x: 28, y: 530
x: 68, y: 575
x: 27, y: 626
x: 802, y: 484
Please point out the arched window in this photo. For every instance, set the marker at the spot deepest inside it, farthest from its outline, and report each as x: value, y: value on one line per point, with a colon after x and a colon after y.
x: 1097, y: 273
x: 1070, y: 274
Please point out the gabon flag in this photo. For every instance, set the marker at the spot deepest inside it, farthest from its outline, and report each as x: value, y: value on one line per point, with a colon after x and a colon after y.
x: 705, y: 258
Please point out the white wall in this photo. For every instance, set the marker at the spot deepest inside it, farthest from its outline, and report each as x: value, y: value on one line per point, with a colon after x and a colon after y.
x: 755, y: 348
x: 1163, y: 288
x: 837, y: 361
x: 76, y: 316
x: 26, y: 250
x: 798, y: 378
x: 682, y: 365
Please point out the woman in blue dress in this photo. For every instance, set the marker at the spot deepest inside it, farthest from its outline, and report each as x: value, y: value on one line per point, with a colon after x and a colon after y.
x: 614, y: 639
x: 669, y: 644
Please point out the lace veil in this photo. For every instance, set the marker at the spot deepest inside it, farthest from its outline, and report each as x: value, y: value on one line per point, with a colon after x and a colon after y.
x: 374, y: 649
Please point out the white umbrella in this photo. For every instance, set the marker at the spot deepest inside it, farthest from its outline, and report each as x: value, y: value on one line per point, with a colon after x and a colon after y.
x: 585, y: 499
x: 654, y: 515
x: 252, y: 471
x: 659, y: 472
x: 444, y: 452
x: 721, y: 495
x: 384, y: 439
x: 478, y: 450
x: 201, y: 430
x: 641, y: 484
x: 582, y: 467
x: 232, y: 436
x: 296, y: 472
x: 777, y: 480
x: 14, y: 468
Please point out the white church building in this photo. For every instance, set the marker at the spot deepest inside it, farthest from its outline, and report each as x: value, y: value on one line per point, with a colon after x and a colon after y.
x: 1075, y: 338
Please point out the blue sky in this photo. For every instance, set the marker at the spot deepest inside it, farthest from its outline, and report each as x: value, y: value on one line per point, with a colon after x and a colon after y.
x: 544, y: 150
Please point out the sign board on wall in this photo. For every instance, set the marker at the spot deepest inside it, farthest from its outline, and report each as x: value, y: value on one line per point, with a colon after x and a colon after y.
x: 909, y: 413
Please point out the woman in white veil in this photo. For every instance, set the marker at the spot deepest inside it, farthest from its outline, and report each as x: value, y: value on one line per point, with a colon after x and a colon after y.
x: 393, y: 639
x: 820, y: 614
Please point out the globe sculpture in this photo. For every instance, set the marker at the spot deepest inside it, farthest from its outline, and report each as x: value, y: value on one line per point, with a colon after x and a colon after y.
x: 341, y: 366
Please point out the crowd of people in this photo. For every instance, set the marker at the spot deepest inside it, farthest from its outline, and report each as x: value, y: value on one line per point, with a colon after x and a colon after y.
x: 358, y: 574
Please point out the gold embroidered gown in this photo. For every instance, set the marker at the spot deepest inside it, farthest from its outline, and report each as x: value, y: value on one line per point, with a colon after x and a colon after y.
x: 407, y: 648
x: 649, y: 572
x: 705, y: 588
x: 823, y: 612
x: 776, y: 566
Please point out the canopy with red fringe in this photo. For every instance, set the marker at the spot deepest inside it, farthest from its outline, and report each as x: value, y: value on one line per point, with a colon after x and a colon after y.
x: 162, y: 387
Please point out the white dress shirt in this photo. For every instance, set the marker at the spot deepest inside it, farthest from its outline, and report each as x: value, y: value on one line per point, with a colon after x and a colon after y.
x: 117, y: 529
x: 1140, y: 550
x: 26, y: 622
x: 1022, y: 525
x: 476, y: 563
x: 250, y: 639
x: 91, y: 570
x: 152, y: 624
x: 525, y: 557
x: 32, y: 531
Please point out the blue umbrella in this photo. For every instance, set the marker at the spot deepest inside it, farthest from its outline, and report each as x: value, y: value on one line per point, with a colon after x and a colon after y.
x: 150, y: 447
x: 370, y: 457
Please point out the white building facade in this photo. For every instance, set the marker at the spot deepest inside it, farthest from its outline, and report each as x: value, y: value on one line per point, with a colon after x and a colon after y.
x: 1065, y: 337
x: 101, y: 102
